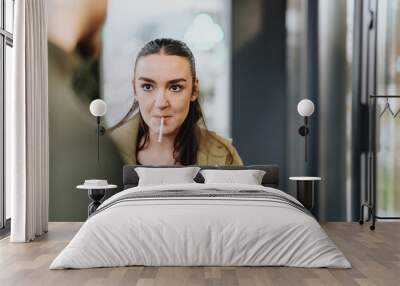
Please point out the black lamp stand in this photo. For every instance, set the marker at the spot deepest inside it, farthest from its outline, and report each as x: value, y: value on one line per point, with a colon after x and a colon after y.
x: 100, y: 130
x: 303, y: 131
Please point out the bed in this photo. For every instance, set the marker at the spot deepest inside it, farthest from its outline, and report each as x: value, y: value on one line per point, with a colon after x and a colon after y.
x: 201, y: 224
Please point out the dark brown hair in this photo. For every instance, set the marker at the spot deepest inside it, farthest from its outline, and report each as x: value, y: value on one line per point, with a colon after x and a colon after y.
x: 186, y: 142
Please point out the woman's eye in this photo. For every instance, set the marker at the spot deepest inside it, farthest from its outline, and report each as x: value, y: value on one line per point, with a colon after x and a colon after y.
x: 176, y: 88
x: 147, y: 87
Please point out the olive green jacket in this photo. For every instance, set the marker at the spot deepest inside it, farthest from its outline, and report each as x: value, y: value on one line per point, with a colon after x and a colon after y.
x: 213, y: 149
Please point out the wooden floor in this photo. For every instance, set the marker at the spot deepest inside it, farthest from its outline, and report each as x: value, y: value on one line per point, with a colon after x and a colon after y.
x: 374, y: 255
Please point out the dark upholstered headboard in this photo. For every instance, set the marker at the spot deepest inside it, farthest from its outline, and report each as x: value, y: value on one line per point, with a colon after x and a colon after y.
x: 270, y: 179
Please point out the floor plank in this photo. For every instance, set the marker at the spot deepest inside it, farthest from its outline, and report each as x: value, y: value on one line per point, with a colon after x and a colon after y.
x: 374, y: 255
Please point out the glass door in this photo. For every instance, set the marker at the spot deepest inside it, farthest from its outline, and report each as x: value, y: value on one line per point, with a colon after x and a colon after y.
x: 388, y: 124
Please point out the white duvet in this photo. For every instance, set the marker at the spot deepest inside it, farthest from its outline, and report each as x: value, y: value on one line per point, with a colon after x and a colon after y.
x: 200, y: 231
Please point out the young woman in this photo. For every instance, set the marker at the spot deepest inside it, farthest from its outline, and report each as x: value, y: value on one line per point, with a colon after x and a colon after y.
x: 168, y: 127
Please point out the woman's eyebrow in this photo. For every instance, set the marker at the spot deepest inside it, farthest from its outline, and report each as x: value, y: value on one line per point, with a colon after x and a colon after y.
x: 146, y: 79
x: 176, y: 80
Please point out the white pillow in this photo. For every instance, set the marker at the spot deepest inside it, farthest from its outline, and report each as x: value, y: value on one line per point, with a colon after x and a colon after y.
x: 162, y: 176
x: 249, y: 177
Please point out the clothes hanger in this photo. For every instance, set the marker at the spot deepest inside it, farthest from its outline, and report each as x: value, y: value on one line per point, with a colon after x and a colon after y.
x: 395, y: 115
x: 395, y: 106
x: 387, y: 106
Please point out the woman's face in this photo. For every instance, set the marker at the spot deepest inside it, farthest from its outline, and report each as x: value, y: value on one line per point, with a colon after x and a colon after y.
x: 163, y: 87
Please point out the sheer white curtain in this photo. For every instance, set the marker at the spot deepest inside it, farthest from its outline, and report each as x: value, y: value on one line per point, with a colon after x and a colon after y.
x: 27, y: 142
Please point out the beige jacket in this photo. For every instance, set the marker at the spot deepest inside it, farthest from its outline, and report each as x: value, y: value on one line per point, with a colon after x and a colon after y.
x: 213, y: 149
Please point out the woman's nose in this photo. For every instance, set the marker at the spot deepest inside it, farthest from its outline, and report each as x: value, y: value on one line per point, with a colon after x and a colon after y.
x: 161, y: 100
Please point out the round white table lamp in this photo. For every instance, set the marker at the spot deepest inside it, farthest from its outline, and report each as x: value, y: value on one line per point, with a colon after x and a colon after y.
x: 305, y: 108
x: 98, y: 108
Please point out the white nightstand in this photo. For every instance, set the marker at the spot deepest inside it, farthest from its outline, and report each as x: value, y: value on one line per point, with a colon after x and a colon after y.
x: 95, y: 193
x: 305, y: 190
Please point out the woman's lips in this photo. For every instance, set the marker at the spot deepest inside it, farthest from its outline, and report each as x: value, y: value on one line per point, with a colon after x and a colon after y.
x: 158, y: 118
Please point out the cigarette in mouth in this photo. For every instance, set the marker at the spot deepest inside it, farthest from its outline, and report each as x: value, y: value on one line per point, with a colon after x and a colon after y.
x: 161, y: 129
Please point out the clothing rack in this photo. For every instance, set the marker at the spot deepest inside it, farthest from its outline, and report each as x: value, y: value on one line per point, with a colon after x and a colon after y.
x: 370, y: 204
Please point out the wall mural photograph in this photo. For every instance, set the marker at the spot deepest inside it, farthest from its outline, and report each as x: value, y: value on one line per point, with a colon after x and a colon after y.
x: 209, y: 83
